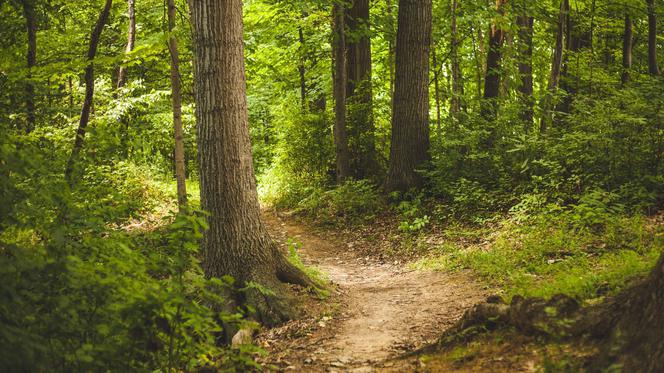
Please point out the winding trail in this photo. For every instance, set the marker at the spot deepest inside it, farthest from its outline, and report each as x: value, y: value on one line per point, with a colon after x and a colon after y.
x: 383, y: 310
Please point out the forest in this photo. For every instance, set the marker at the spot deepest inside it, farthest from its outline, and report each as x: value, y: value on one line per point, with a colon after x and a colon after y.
x: 331, y: 186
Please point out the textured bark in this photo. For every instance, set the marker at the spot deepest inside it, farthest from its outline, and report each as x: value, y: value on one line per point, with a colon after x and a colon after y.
x: 653, y: 68
x: 237, y: 242
x: 410, y: 108
x: 627, y: 50
x: 176, y: 99
x: 525, y: 23
x: 457, y: 83
x: 360, y: 124
x: 556, y: 65
x: 340, y: 132
x: 31, y: 30
x: 89, y: 90
x: 131, y: 38
x: 493, y: 70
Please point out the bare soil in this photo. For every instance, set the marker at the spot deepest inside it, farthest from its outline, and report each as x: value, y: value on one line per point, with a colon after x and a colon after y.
x: 376, y: 311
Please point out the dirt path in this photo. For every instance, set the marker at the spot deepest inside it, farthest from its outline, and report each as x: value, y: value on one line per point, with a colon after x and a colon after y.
x: 383, y: 309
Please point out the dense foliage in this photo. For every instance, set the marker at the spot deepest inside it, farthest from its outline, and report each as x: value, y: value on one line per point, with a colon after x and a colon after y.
x: 566, y: 191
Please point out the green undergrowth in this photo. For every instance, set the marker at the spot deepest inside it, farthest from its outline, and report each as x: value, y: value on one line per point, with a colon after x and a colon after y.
x: 587, y: 249
x: 319, y: 277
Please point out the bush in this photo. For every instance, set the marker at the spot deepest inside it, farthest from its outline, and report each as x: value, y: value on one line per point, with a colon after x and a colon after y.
x: 348, y: 203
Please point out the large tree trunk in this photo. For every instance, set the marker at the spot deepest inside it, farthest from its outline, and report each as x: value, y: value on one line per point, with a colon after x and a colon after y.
x: 627, y: 50
x: 360, y: 124
x: 653, y: 68
x: 131, y: 38
x: 176, y: 99
x: 31, y: 29
x: 525, y: 23
x: 556, y: 65
x: 340, y: 133
x: 89, y: 90
x: 410, y: 108
x: 237, y: 242
x: 457, y: 83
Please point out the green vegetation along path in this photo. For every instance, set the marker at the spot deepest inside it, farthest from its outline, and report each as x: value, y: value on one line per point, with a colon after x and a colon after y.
x: 380, y: 310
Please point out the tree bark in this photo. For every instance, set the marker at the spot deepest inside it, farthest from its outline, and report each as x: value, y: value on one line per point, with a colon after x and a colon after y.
x: 89, y: 90
x: 362, y: 147
x: 457, y: 83
x: 556, y: 65
x: 340, y: 133
x: 31, y: 29
x: 627, y: 50
x: 493, y: 74
x: 653, y: 68
x: 525, y: 23
x: 237, y: 242
x: 410, y: 119
x: 176, y: 99
x: 131, y: 39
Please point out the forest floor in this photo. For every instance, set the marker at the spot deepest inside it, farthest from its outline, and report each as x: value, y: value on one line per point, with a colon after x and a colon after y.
x: 376, y: 311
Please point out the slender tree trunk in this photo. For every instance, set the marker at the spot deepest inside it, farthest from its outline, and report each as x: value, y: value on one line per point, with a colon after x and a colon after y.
x: 176, y: 98
x: 653, y: 68
x: 31, y: 29
x: 340, y: 134
x: 410, y: 119
x: 362, y: 147
x: 237, y: 242
x: 131, y: 38
x: 301, y: 69
x: 457, y: 83
x: 525, y: 23
x: 89, y: 91
x: 439, y: 129
x: 391, y: 46
x: 627, y: 50
x: 556, y: 65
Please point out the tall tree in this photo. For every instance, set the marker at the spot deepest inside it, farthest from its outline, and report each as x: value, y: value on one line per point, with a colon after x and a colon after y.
x: 340, y: 133
x: 31, y: 29
x: 627, y: 50
x: 359, y: 103
x: 131, y: 39
x: 176, y: 99
x: 653, y: 68
x: 89, y: 90
x: 455, y: 63
x: 525, y: 24
x: 237, y: 242
x: 556, y: 65
x: 493, y: 69
x: 410, y: 107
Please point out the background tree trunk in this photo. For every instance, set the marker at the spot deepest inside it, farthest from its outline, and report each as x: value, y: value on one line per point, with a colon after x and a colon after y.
x: 301, y: 69
x: 176, y: 99
x: 525, y: 23
x: 627, y: 50
x: 131, y: 38
x: 31, y: 29
x: 89, y: 90
x: 556, y: 65
x: 457, y: 83
x: 340, y: 134
x: 492, y: 77
x: 237, y: 242
x: 653, y: 68
x: 410, y: 108
x: 360, y: 123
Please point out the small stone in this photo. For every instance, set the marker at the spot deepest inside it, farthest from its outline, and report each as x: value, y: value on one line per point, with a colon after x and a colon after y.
x: 308, y: 361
